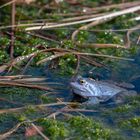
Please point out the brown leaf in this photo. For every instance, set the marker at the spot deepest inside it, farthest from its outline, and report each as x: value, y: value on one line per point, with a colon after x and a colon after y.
x: 31, y: 131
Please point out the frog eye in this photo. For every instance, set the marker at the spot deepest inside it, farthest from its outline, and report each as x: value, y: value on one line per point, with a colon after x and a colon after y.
x: 82, y: 81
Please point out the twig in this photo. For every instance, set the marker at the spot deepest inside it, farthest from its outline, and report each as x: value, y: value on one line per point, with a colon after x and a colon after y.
x: 7, y: 134
x: 92, y: 62
x: 78, y: 64
x: 8, y: 3
x: 63, y: 52
x: 27, y: 65
x: 12, y: 83
x: 102, y: 55
x: 83, y: 54
x: 105, y: 17
x: 79, y: 110
x: 85, y: 27
x: 95, y: 45
x: 41, y: 134
x: 128, y: 42
x: 120, y: 6
x: 52, y: 57
x: 2, y: 111
x: 82, y: 17
x: 13, y: 29
x: 138, y: 41
x: 14, y: 76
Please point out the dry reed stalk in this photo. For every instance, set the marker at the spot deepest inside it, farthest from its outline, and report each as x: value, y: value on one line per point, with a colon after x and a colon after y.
x: 128, y: 42
x: 12, y: 110
x: 111, y: 15
x: 13, y: 83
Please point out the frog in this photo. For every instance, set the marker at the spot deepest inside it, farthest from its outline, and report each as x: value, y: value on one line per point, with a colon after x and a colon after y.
x: 100, y: 91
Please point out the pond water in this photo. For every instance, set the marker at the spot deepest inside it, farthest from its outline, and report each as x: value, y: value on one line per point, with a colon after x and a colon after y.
x: 123, y: 118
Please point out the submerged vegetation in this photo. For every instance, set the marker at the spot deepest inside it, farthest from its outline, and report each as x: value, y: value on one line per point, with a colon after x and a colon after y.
x: 44, y: 43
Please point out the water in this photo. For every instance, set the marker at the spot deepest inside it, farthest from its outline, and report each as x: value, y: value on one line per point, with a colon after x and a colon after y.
x: 110, y: 115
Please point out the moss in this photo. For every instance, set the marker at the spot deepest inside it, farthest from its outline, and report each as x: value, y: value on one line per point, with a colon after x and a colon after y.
x: 47, y: 99
x: 67, y: 64
x: 21, y: 95
x: 109, y: 37
x: 77, y: 127
x: 133, y: 125
x: 4, y: 57
x: 123, y: 109
x: 62, y: 33
x: 68, y: 44
x: 54, y: 128
x: 88, y: 128
x: 4, y: 41
x: 82, y: 36
x: 21, y: 118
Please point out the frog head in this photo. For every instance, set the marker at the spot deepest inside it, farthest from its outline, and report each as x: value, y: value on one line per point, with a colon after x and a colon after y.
x: 83, y: 86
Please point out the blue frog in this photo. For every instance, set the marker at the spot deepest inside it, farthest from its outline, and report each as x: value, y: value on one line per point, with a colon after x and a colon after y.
x: 99, y: 91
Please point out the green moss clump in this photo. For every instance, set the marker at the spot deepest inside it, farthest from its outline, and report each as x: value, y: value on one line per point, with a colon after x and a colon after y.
x: 62, y: 33
x: 82, y: 36
x: 21, y: 95
x: 123, y: 108
x: 53, y: 128
x: 21, y: 117
x: 4, y: 41
x: 133, y: 122
x: 68, y: 44
x: 4, y: 57
x: 88, y: 128
x: 77, y: 127
x: 67, y: 64
x: 133, y: 125
x: 109, y: 37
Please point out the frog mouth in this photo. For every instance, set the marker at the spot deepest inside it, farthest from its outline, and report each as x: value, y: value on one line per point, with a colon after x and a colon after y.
x: 76, y: 87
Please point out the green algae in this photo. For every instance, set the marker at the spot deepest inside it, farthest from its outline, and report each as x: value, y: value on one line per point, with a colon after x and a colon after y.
x: 76, y: 127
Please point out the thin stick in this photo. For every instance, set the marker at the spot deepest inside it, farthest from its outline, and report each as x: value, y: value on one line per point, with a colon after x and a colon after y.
x: 92, y: 62
x: 41, y: 134
x: 12, y: 83
x: 85, y: 27
x: 13, y: 29
x: 78, y: 64
x: 83, y: 54
x: 95, y: 45
x: 27, y: 65
x: 11, y: 131
x: 12, y: 110
x: 120, y: 5
x: 105, y: 17
x: 79, y: 110
x: 103, y: 55
x: 128, y: 42
x: 8, y: 3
